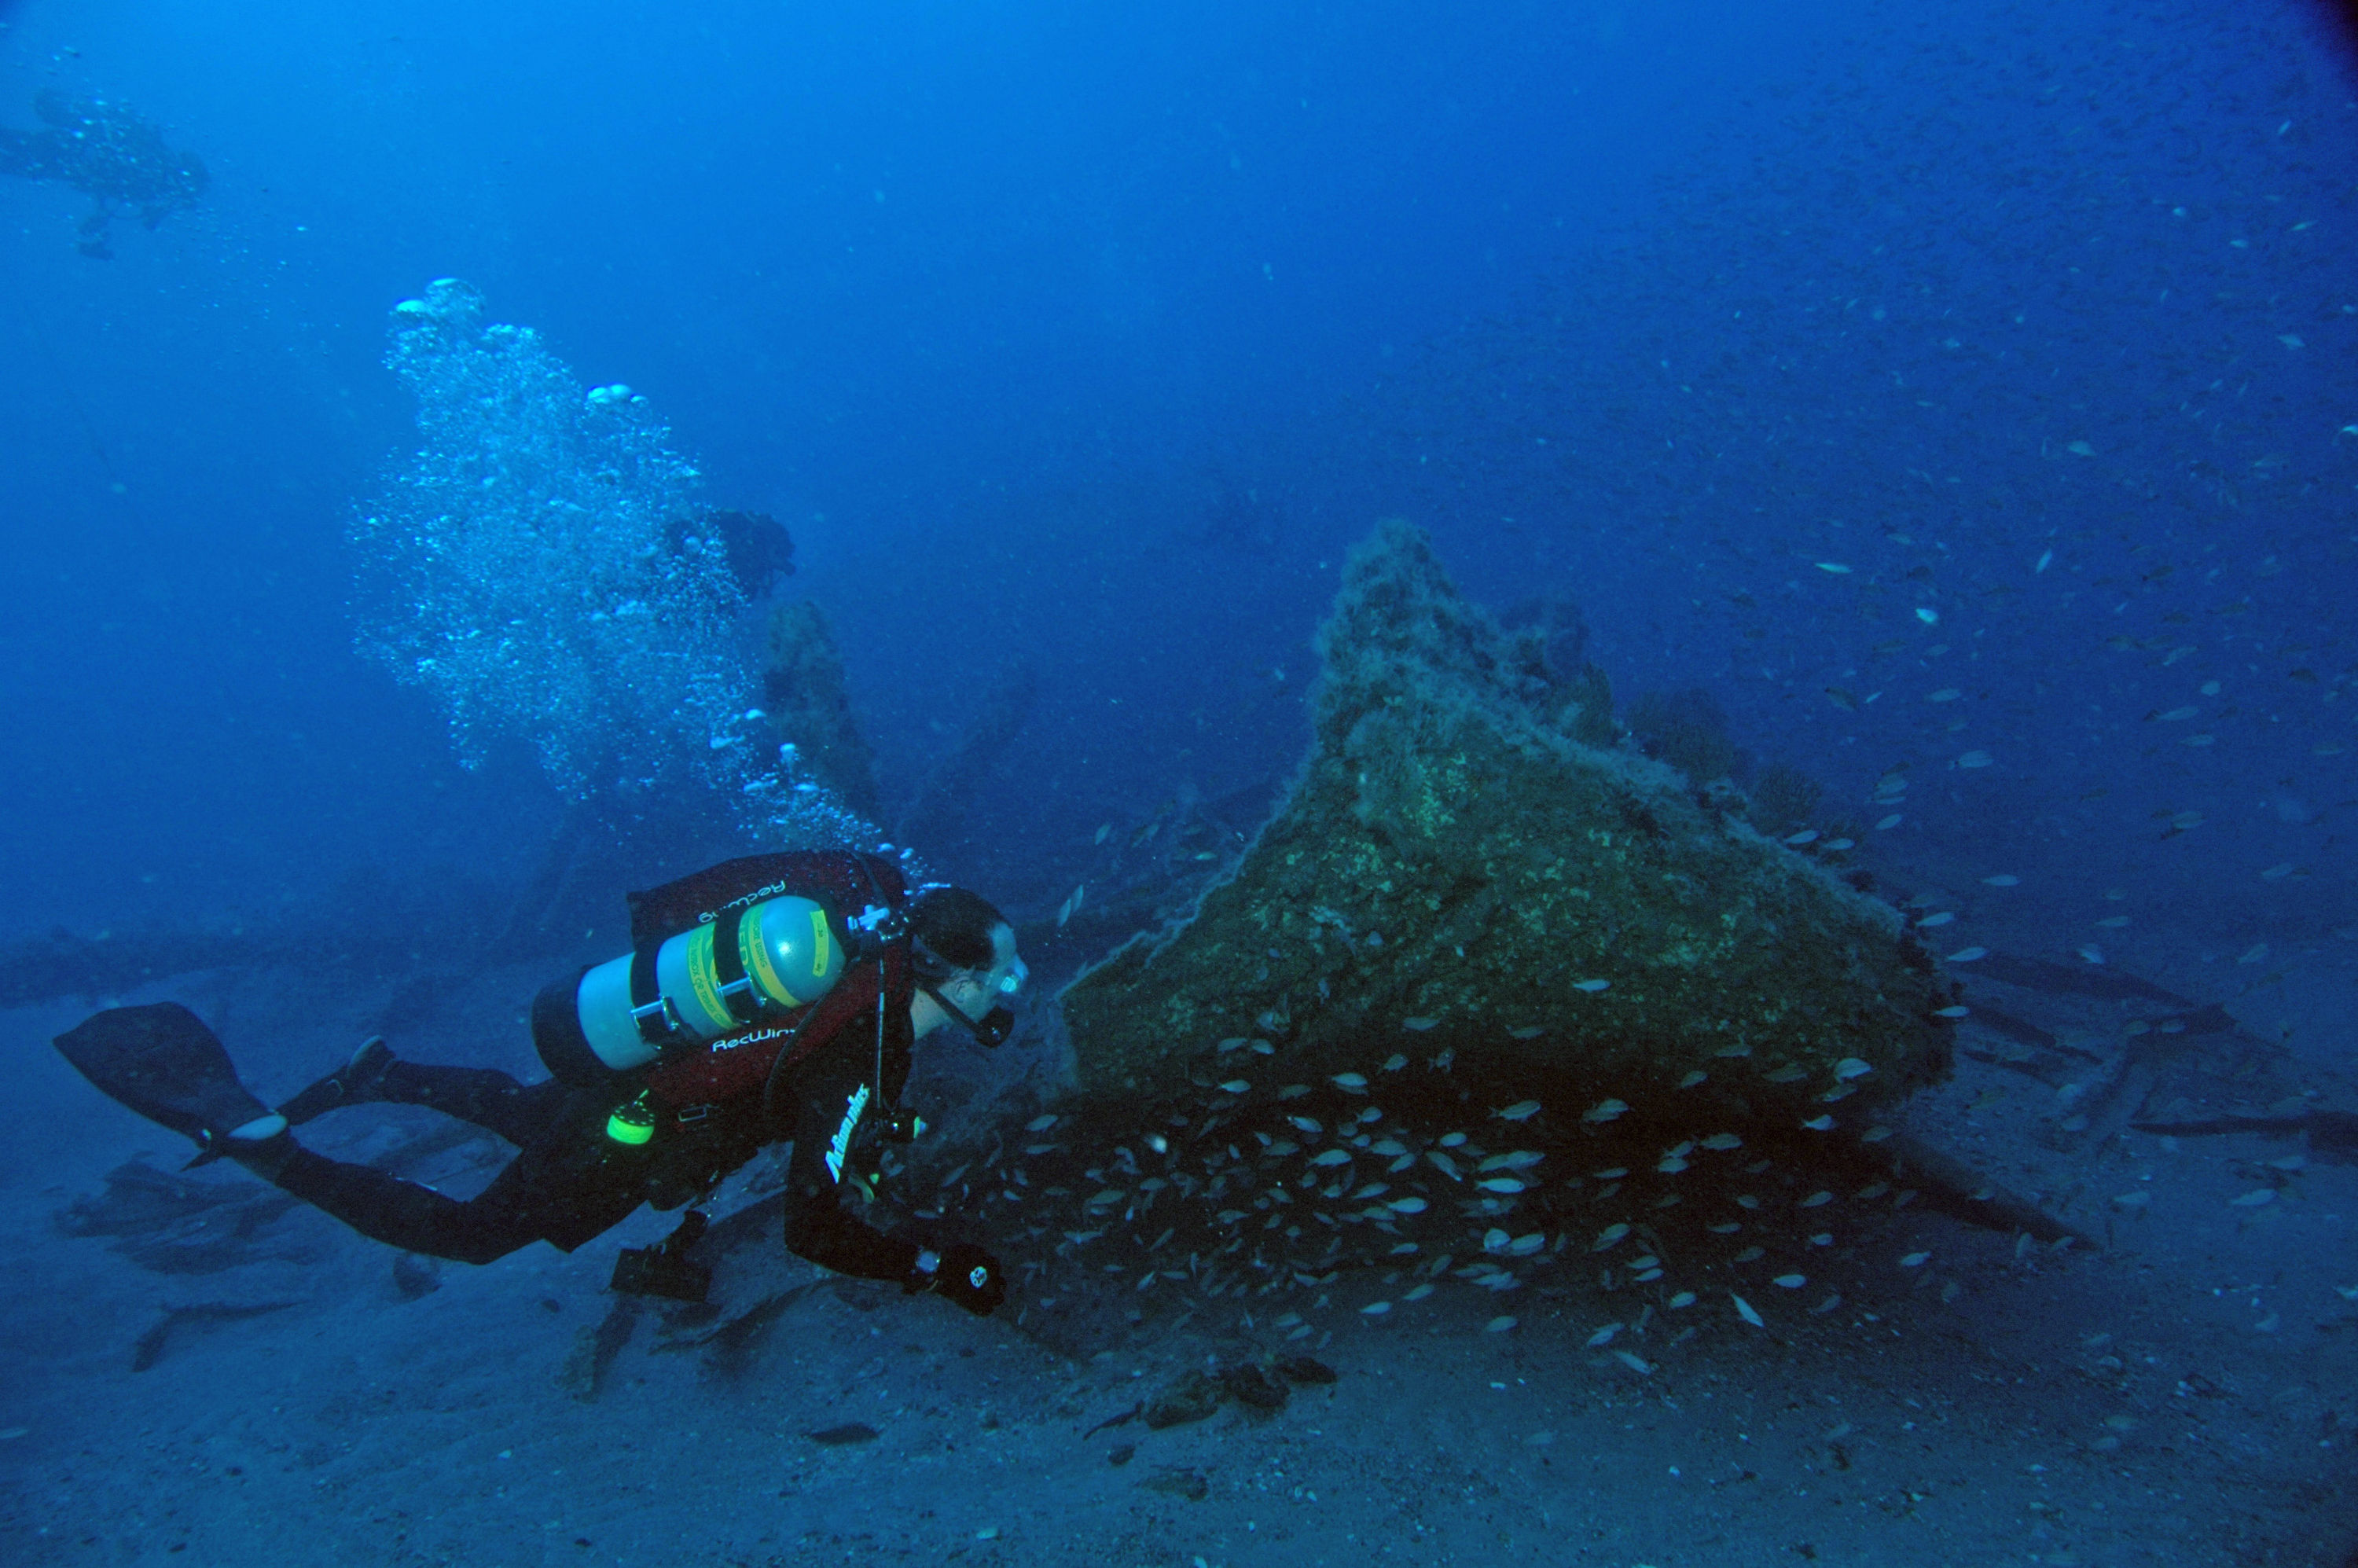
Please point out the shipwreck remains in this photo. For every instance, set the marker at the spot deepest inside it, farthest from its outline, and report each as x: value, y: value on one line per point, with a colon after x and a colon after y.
x: 1474, y: 867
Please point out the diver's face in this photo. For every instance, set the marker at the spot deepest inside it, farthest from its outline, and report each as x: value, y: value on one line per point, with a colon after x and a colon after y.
x: 978, y: 998
x: 976, y: 993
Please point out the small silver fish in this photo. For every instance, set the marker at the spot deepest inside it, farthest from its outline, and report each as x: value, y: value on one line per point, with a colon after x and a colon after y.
x: 1604, y: 1110
x: 1351, y: 1083
x: 1526, y: 1031
x: 1521, y: 1110
x: 1040, y: 1124
x: 1395, y: 1062
x: 1743, y: 1310
x: 1419, y: 1024
x: 1592, y: 986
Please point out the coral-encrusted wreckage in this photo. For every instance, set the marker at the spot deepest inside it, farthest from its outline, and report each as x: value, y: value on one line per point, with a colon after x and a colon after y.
x: 1472, y: 867
x: 1491, y: 981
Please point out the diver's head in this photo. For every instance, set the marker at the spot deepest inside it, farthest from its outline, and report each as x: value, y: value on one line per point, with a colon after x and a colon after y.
x: 963, y: 951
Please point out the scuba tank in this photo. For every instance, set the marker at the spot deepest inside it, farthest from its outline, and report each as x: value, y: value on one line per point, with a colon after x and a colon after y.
x: 715, y: 979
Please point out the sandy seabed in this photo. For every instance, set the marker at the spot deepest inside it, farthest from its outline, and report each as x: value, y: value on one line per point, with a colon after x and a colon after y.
x: 2188, y: 1397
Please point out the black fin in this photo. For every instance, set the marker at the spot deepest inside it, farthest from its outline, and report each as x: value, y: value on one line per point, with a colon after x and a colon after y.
x: 162, y: 1062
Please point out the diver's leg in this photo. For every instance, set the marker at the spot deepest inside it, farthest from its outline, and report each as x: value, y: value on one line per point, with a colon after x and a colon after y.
x: 355, y: 1082
x: 521, y: 1113
x: 564, y: 1189
x: 483, y: 1095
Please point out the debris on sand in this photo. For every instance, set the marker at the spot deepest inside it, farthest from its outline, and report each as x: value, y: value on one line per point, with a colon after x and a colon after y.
x: 1124, y: 1419
x: 850, y: 1432
x: 1259, y: 1386
x: 595, y: 1349
x: 174, y: 1224
x: 153, y: 1344
x: 1190, y: 1397
x: 1179, y: 1483
x: 1254, y: 1387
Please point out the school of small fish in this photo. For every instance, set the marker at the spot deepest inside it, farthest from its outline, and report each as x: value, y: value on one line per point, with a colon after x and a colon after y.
x: 1320, y: 1202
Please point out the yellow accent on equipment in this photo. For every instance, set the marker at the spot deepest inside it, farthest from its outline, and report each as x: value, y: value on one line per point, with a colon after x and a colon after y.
x: 789, y: 957
x: 704, y: 981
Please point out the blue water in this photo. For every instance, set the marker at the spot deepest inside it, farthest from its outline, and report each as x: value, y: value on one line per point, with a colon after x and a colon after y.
x: 1960, y: 394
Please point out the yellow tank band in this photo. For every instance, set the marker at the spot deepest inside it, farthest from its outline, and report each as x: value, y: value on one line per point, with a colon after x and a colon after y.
x: 755, y: 952
x: 704, y: 979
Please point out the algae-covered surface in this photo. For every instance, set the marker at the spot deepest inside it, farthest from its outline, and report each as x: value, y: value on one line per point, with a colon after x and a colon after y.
x: 1472, y: 862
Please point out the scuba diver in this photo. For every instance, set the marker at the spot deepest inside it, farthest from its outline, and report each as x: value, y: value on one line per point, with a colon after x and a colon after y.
x: 773, y: 996
x: 110, y: 155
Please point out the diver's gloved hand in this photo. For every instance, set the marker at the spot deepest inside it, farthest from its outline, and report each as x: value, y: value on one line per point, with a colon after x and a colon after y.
x: 967, y: 1277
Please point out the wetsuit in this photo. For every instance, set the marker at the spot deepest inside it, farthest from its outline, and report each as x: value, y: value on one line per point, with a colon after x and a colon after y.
x: 716, y: 1108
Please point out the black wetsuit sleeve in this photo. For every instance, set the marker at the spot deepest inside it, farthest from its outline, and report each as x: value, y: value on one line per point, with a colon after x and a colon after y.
x: 837, y: 1106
